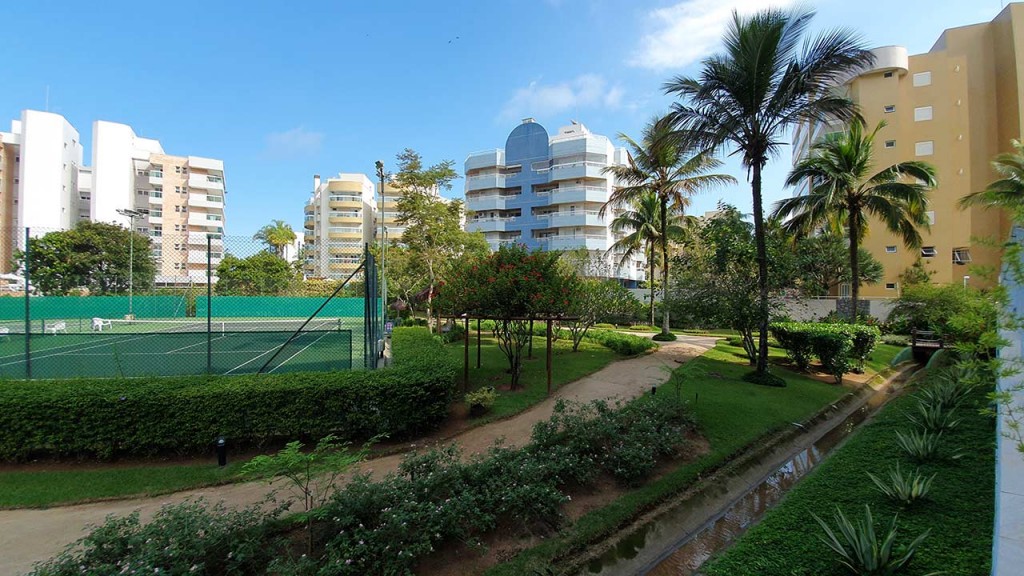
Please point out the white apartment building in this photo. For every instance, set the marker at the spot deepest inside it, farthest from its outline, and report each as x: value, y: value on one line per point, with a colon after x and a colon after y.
x: 181, y: 199
x: 45, y: 187
x: 338, y: 223
x: 546, y: 192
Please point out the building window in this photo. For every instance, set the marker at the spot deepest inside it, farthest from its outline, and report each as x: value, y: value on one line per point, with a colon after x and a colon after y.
x: 923, y: 113
x: 887, y: 74
x: 177, y: 169
x: 890, y: 143
x: 890, y: 249
x: 890, y: 285
x: 930, y: 215
x: 961, y: 256
x: 926, y: 148
x: 890, y: 109
x: 928, y: 251
x: 142, y: 193
x: 923, y: 79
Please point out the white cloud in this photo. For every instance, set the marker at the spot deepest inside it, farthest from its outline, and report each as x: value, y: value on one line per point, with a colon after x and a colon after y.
x: 584, y: 91
x: 688, y: 31
x: 295, y: 142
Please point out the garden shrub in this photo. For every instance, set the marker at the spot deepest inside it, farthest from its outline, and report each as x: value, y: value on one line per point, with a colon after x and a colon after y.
x: 845, y: 346
x: 186, y: 538
x: 119, y: 416
x: 625, y: 344
x: 481, y: 400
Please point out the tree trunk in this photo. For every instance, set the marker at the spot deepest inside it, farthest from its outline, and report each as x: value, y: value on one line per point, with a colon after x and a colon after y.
x: 854, y: 265
x: 762, y: 269
x: 651, y: 282
x: 664, y: 266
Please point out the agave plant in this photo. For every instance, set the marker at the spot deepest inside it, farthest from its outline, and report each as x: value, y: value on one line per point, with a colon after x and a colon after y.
x: 919, y: 444
x: 934, y: 417
x: 859, y: 548
x: 903, y: 487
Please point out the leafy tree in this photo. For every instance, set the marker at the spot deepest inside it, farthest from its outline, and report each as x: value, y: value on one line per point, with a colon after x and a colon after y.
x: 661, y: 165
x: 716, y: 277
x: 512, y: 286
x: 823, y: 262
x: 843, y: 193
x: 642, y: 220
x: 262, y: 274
x: 277, y: 235
x: 1008, y: 191
x: 916, y: 273
x: 406, y: 275
x: 592, y: 300
x: 433, y: 233
x: 751, y: 95
x: 957, y: 314
x: 94, y: 255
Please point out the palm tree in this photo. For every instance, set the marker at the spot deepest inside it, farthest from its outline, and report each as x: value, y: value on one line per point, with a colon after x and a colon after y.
x: 751, y: 95
x: 643, y: 224
x: 276, y: 235
x: 843, y: 193
x: 661, y: 165
x: 1008, y: 191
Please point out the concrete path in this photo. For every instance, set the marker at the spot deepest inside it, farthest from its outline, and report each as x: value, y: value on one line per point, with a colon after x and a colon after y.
x: 30, y: 536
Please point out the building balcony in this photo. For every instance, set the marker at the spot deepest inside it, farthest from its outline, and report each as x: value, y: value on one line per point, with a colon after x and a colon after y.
x: 149, y: 178
x: 309, y: 222
x: 479, y: 203
x: 336, y: 218
x: 576, y: 194
x: 500, y: 224
x: 156, y: 200
x: 155, y: 219
x: 576, y: 170
x: 581, y: 218
x: 566, y: 242
x: 199, y: 257
x: 345, y: 202
x: 206, y: 200
x: 206, y: 220
x: 485, y: 181
x: 485, y: 159
x: 206, y: 182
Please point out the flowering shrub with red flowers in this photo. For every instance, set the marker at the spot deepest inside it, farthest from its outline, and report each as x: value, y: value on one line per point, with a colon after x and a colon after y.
x: 511, y: 286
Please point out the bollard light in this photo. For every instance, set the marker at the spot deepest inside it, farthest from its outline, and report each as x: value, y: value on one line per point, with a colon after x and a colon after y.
x: 654, y: 390
x: 222, y: 451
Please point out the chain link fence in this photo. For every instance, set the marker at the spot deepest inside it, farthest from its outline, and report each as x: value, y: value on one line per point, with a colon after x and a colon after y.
x: 98, y: 301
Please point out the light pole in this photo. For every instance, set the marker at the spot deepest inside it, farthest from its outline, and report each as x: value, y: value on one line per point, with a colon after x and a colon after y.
x: 383, y: 240
x: 966, y: 278
x: 132, y: 215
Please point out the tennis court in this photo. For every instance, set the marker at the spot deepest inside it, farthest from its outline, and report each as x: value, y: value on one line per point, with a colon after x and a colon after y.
x: 121, y: 348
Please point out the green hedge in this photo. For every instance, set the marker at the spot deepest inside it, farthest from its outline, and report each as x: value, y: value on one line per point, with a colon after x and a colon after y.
x: 137, y: 417
x: 625, y: 344
x: 839, y: 347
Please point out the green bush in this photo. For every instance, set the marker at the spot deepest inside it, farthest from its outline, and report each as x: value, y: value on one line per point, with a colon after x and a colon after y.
x: 861, y: 551
x: 902, y: 487
x: 845, y: 346
x: 180, y: 538
x: 481, y: 400
x: 625, y: 344
x: 664, y: 337
x: 117, y: 417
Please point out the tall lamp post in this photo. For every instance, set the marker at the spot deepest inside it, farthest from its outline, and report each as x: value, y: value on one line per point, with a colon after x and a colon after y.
x: 383, y: 241
x: 132, y: 215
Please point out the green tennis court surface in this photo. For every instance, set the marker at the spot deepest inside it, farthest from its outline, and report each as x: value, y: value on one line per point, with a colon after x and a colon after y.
x: 131, y: 351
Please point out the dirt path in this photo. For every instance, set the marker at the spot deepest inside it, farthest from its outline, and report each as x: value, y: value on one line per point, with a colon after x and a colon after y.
x: 29, y: 536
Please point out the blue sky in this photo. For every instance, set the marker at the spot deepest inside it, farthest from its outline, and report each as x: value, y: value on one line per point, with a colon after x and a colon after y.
x: 283, y: 90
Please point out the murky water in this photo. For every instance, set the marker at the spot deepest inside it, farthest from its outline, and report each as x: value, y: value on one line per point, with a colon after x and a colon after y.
x: 679, y: 541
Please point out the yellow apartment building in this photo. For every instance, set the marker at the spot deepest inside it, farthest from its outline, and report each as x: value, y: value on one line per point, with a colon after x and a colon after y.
x: 956, y: 107
x: 338, y: 222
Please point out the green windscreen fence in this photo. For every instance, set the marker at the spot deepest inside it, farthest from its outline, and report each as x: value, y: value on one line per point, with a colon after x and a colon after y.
x: 278, y: 307
x: 64, y: 307
x: 120, y: 352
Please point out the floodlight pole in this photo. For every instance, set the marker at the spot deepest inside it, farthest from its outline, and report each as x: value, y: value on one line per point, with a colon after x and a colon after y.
x: 132, y: 215
x: 383, y: 243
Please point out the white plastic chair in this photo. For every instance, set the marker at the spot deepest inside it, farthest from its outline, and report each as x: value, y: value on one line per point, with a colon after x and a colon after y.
x: 58, y: 326
x: 99, y: 323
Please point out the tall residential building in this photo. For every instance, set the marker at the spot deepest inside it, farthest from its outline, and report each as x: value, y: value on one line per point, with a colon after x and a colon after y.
x: 387, y: 205
x: 181, y: 199
x: 40, y: 159
x: 338, y: 222
x: 545, y: 192
x: 956, y: 107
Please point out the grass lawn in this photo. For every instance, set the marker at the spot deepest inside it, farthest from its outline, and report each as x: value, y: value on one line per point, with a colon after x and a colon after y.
x: 25, y: 489
x: 959, y: 510
x: 731, y: 414
x: 566, y: 366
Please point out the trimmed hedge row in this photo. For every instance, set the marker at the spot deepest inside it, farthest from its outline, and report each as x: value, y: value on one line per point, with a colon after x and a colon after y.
x: 840, y: 347
x: 119, y: 417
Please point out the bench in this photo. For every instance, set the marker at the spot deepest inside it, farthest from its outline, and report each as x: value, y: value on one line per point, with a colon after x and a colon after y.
x: 58, y: 326
x: 99, y: 323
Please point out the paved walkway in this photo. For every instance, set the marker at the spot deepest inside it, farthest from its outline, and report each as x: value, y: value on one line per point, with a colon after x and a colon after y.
x: 29, y: 536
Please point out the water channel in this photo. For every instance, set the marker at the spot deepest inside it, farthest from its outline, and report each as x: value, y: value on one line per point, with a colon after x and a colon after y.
x: 679, y: 540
